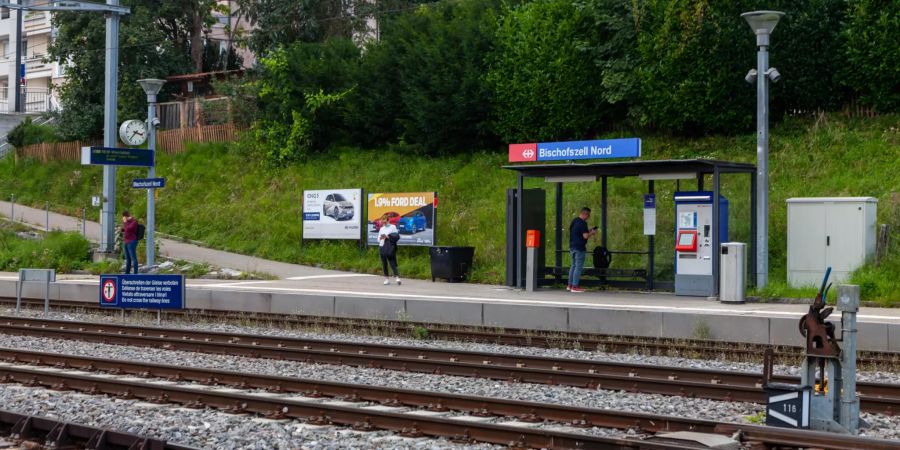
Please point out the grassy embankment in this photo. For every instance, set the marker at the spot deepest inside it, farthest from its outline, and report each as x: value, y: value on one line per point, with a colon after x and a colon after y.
x: 226, y: 198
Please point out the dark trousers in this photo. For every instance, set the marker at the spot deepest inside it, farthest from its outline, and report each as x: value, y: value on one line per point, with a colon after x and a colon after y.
x: 389, y: 259
x: 131, y: 256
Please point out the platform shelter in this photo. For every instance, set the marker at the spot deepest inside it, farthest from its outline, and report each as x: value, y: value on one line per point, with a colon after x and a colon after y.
x: 528, y: 212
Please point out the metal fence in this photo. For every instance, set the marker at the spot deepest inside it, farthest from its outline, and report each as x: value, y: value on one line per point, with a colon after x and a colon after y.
x: 35, y: 100
x: 168, y: 141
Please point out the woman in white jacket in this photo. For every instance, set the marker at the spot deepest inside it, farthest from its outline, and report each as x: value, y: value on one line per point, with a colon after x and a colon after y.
x: 388, y: 236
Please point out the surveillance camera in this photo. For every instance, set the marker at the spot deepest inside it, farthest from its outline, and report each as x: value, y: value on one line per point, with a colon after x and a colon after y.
x: 773, y: 74
x: 751, y: 76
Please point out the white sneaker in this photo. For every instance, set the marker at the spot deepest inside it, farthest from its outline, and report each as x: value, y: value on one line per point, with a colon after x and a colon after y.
x: 387, y: 281
x: 398, y: 281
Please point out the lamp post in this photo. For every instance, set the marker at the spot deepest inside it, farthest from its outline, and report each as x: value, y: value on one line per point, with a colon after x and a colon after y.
x: 151, y: 87
x: 762, y: 23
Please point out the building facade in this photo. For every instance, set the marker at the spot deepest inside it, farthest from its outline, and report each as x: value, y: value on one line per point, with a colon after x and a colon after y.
x: 34, y: 77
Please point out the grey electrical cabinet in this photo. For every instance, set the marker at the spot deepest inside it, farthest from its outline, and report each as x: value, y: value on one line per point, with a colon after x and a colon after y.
x: 828, y: 231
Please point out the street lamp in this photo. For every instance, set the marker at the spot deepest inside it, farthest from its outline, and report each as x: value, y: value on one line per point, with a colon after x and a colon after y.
x: 762, y: 23
x: 151, y: 87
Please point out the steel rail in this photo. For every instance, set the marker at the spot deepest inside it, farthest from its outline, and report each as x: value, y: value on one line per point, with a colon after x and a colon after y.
x: 436, y: 401
x: 323, y: 413
x: 505, y: 336
x: 44, y: 432
x: 713, y: 384
x: 389, y: 396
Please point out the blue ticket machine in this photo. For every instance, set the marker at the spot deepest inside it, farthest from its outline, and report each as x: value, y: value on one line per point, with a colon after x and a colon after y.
x: 695, y: 238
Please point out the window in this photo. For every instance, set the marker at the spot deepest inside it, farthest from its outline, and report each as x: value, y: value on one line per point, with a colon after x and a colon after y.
x: 4, y: 13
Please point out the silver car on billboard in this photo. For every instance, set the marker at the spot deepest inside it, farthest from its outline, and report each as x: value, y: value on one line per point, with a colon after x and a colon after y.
x: 337, y: 207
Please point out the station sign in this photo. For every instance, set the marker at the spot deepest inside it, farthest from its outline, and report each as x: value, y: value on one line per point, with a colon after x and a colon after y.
x: 112, y: 156
x: 575, y: 150
x: 135, y: 291
x: 148, y: 183
x: 788, y: 407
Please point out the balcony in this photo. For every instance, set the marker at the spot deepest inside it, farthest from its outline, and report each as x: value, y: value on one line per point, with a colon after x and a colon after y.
x: 34, y: 100
x: 36, y: 22
x: 35, y: 65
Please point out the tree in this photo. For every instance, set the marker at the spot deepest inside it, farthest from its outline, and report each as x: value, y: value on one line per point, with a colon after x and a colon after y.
x: 440, y: 53
x: 153, y: 42
x: 559, y: 68
x: 872, y: 63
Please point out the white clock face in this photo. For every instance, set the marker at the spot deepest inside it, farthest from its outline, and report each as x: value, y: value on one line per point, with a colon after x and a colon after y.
x: 133, y: 132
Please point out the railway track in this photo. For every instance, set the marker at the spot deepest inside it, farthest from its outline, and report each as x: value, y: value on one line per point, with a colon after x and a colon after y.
x: 33, y: 432
x: 512, y: 337
x: 387, y: 413
x: 710, y: 384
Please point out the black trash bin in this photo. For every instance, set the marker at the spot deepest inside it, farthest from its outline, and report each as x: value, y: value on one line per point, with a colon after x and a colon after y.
x: 451, y: 263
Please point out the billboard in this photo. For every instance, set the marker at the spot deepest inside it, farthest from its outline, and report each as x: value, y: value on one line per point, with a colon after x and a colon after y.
x: 413, y: 214
x: 332, y: 214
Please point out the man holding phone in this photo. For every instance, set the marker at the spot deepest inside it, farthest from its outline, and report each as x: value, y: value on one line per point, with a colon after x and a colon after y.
x: 579, y: 233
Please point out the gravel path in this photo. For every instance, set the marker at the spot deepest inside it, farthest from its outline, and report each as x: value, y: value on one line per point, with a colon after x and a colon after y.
x: 631, y: 358
x: 204, y: 428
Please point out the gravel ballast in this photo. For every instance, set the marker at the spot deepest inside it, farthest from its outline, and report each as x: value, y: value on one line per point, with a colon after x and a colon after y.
x: 204, y: 428
x: 629, y: 358
x: 883, y: 426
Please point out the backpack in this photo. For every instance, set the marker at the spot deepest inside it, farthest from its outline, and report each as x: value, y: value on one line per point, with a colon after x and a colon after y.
x: 602, y: 257
x: 140, y: 231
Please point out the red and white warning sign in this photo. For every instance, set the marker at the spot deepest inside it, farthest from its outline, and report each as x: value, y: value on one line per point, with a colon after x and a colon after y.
x: 108, y: 290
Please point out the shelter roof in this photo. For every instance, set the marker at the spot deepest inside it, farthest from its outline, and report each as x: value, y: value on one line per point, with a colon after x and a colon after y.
x: 632, y: 168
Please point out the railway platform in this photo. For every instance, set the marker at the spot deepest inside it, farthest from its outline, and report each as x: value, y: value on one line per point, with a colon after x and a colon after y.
x: 353, y: 295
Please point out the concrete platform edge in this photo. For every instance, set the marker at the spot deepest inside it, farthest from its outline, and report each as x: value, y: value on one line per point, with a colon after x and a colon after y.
x: 602, y: 320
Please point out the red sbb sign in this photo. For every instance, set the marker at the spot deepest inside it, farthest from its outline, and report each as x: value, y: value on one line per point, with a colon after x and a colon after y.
x: 523, y: 152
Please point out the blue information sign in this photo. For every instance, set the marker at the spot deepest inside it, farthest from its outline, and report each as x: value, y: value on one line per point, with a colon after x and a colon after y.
x: 649, y: 201
x: 142, y: 291
x: 148, y: 183
x: 111, y: 156
x: 610, y: 148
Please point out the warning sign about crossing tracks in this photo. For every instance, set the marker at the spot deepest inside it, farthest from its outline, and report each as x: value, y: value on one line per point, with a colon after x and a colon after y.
x: 142, y: 291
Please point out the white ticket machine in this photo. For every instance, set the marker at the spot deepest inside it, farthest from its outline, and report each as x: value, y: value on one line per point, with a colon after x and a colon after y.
x: 695, y: 242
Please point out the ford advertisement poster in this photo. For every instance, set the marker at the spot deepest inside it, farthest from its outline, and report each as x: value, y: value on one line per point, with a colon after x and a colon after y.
x: 412, y: 213
x: 332, y: 214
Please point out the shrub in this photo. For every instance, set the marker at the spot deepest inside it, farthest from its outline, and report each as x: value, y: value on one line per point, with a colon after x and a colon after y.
x: 545, y: 47
x: 872, y: 64
x: 28, y: 133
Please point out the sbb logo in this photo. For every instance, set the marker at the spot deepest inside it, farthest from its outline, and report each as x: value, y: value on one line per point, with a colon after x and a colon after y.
x: 522, y: 152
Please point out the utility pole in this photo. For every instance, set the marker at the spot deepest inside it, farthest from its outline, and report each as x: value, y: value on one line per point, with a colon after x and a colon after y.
x: 110, y: 97
x: 18, y: 69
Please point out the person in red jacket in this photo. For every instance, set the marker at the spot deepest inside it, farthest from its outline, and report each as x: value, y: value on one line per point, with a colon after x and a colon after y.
x: 129, y: 232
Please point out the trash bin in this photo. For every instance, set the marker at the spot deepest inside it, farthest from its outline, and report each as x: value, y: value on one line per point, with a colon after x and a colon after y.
x: 451, y: 263
x: 733, y: 273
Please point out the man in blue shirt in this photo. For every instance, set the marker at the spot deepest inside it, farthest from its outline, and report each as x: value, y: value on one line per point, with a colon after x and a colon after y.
x: 579, y: 233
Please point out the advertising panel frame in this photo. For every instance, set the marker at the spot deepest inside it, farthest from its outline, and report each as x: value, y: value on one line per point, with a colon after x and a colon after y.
x: 424, y: 242
x: 357, y: 213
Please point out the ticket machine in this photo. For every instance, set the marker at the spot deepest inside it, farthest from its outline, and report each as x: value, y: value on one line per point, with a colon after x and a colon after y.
x: 695, y: 242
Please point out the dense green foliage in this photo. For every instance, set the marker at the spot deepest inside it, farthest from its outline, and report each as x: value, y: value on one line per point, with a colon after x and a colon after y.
x: 457, y: 75
x: 301, y: 90
x: 827, y: 157
x: 545, y: 82
x: 28, y: 132
x: 64, y: 252
x: 872, y: 66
